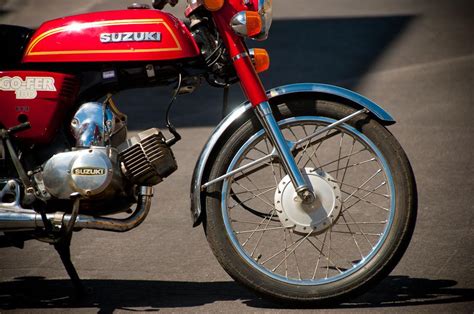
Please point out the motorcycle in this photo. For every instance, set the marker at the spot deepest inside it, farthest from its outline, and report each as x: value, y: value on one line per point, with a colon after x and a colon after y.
x: 303, y: 193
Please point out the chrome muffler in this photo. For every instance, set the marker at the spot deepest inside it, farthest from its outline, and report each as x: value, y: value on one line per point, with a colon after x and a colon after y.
x: 15, y: 218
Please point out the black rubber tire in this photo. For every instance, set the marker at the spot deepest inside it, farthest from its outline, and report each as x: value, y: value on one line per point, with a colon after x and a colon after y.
x: 376, y: 269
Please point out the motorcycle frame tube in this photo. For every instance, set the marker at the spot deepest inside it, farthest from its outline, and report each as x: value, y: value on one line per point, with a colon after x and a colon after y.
x: 201, y: 170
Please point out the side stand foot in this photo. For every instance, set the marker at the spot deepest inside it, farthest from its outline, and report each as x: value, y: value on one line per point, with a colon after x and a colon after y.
x: 63, y: 249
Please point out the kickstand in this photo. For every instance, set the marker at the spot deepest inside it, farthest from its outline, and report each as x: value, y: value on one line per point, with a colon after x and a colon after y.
x: 63, y: 248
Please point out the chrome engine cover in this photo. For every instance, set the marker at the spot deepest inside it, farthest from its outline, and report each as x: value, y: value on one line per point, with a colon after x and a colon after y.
x: 91, y: 172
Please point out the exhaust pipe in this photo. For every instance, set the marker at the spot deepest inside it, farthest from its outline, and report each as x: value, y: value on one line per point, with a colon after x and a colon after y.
x: 23, y: 219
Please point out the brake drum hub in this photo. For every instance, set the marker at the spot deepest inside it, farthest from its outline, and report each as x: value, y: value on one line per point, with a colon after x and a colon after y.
x: 314, y: 217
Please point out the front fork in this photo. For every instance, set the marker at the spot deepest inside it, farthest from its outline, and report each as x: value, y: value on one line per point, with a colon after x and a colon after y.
x: 265, y: 115
x: 255, y: 92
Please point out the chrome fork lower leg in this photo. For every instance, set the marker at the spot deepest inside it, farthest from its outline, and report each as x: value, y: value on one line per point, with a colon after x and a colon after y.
x: 272, y: 129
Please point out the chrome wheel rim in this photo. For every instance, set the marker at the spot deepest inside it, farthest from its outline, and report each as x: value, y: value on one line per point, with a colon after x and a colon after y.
x: 338, y: 251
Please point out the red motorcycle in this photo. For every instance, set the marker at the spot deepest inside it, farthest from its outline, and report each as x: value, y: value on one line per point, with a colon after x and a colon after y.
x: 303, y: 193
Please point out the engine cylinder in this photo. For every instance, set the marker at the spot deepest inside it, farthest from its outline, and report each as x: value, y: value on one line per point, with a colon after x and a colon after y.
x: 146, y: 158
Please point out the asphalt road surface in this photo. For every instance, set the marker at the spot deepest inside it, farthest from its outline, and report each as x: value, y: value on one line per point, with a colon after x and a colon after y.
x: 414, y: 58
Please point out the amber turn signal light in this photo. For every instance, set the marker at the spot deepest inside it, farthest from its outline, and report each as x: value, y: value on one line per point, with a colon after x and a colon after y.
x: 213, y: 5
x: 253, y: 23
x: 246, y: 23
x: 260, y: 59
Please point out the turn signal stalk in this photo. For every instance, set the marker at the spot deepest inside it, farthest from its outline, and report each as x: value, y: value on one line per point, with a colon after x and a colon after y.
x: 260, y: 59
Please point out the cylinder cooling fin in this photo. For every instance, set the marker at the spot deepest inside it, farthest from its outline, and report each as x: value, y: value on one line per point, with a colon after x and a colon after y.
x: 146, y: 158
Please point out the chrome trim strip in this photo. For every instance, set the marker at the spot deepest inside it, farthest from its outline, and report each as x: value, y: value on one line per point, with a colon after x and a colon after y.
x: 239, y: 56
x: 359, y: 100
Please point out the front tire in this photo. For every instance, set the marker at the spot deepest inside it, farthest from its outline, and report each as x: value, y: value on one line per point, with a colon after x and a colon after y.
x: 292, y: 256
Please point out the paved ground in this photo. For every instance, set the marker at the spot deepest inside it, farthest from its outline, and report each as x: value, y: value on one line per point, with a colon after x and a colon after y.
x: 415, y: 58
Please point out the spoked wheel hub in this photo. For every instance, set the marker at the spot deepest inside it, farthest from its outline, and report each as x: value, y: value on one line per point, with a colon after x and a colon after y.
x: 314, y: 217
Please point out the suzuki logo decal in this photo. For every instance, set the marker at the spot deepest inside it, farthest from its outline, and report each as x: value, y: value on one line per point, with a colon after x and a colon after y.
x: 88, y: 171
x: 129, y: 36
x: 27, y: 88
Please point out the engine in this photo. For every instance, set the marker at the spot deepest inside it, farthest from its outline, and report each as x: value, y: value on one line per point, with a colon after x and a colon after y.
x: 103, y: 164
x: 146, y: 159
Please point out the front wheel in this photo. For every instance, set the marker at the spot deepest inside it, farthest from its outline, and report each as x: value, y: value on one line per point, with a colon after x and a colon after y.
x: 350, y: 237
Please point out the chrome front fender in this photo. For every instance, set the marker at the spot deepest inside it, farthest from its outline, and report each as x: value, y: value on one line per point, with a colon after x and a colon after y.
x: 202, y: 168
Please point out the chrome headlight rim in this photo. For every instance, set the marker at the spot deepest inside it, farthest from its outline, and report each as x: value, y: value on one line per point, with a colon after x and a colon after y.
x: 265, y: 11
x: 238, y: 22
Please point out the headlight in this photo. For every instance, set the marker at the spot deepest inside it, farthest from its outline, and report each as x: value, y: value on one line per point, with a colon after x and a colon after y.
x: 254, y: 24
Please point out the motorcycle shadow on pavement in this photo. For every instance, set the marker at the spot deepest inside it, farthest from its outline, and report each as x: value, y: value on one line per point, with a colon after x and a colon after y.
x: 143, y: 295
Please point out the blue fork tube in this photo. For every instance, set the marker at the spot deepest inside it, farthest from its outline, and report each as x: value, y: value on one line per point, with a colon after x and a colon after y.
x: 272, y: 129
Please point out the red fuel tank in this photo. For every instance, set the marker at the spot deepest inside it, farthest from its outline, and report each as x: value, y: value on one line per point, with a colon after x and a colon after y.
x: 110, y: 36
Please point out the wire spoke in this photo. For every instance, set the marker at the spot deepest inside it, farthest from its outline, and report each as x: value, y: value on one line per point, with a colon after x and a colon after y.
x: 321, y: 140
x: 363, y: 223
x: 258, y: 195
x: 359, y: 233
x: 366, y: 201
x: 281, y: 251
x: 319, y: 256
x: 361, y: 189
x: 260, y: 230
x: 363, y: 184
x: 257, y: 228
x: 335, y: 253
x: 260, y: 151
x: 339, y: 156
x: 343, y: 157
x: 360, y: 229
x: 253, y: 197
x: 269, y: 202
x: 355, y: 164
x: 310, y: 157
x: 320, y: 143
x: 261, y: 234
x: 292, y: 250
x: 296, y: 260
x: 321, y: 251
x: 329, y: 252
x: 251, y: 223
x: 353, y: 237
x: 347, y: 163
x: 293, y: 133
x: 266, y: 189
